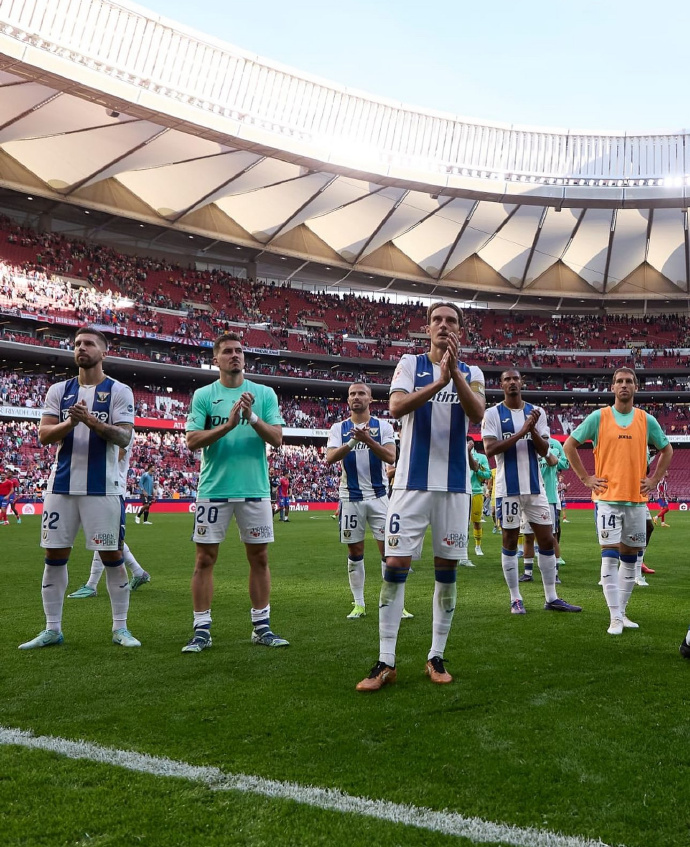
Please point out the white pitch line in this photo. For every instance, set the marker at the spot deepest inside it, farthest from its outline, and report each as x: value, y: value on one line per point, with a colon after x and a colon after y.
x: 449, y: 823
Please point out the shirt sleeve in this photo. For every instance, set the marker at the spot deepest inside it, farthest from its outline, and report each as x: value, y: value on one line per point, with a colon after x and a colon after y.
x: 271, y: 409
x: 476, y: 375
x: 52, y: 401
x: 387, y: 432
x: 122, y: 410
x: 655, y: 434
x: 403, y: 378
x: 334, y: 436
x: 563, y: 463
x: 484, y: 471
x: 489, y: 424
x: 588, y: 430
x: 543, y: 425
x: 196, y: 417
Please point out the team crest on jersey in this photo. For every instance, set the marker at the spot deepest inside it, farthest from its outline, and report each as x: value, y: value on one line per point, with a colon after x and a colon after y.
x: 347, y: 533
x: 393, y: 541
x: 508, y: 519
x: 604, y: 533
x: 201, y: 530
x: 102, y: 396
x: 374, y: 431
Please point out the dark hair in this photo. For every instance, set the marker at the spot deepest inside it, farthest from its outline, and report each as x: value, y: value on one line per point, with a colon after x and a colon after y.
x: 508, y: 370
x: 89, y: 330
x: 437, y: 305
x: 226, y: 336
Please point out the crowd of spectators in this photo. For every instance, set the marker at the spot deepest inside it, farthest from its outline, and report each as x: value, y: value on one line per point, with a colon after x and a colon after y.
x: 137, y: 295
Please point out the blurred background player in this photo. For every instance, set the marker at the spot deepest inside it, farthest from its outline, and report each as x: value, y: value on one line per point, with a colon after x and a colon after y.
x: 139, y: 575
x: 517, y: 433
x: 274, y: 481
x: 363, y: 445
x: 549, y: 466
x: 90, y: 417
x: 146, y: 484
x: 620, y: 486
x: 6, y: 489
x: 563, y: 487
x: 662, y: 501
x: 284, y: 498
x: 480, y: 473
x: 14, y: 496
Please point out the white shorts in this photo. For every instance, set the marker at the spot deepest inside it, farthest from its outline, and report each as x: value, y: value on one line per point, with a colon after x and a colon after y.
x: 621, y: 524
x: 356, y: 514
x: 411, y: 512
x: 101, y: 518
x: 523, y: 510
x: 212, y: 519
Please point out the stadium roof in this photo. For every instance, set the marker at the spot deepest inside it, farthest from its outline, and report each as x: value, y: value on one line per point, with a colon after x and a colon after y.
x: 118, y: 111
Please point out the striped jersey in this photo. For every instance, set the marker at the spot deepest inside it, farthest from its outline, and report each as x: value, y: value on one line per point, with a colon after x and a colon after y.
x: 86, y: 464
x: 517, y: 470
x: 433, y: 445
x: 364, y: 474
x: 125, y: 454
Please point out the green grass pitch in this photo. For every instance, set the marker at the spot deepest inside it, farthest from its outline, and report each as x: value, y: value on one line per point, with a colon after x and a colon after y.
x: 550, y: 723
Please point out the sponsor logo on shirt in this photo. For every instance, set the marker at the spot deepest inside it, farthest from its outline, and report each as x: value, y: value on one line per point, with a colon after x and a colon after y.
x: 446, y: 397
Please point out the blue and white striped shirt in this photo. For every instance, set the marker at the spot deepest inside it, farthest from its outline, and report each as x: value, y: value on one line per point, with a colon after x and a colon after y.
x: 433, y: 447
x: 85, y: 463
x: 517, y: 470
x: 364, y: 475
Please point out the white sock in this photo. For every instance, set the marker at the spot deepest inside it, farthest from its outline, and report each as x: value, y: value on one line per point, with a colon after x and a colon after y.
x: 383, y: 568
x: 638, y: 563
x: 132, y: 563
x: 96, y: 570
x: 202, y: 620
x: 626, y: 578
x: 118, y: 589
x: 609, y: 581
x: 463, y: 557
x: 445, y: 596
x: 53, y: 590
x: 261, y: 618
x: 509, y: 562
x: 547, y: 566
x: 391, y: 604
x: 355, y: 574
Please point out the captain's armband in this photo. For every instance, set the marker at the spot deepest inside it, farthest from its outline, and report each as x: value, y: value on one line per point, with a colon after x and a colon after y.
x: 478, y: 388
